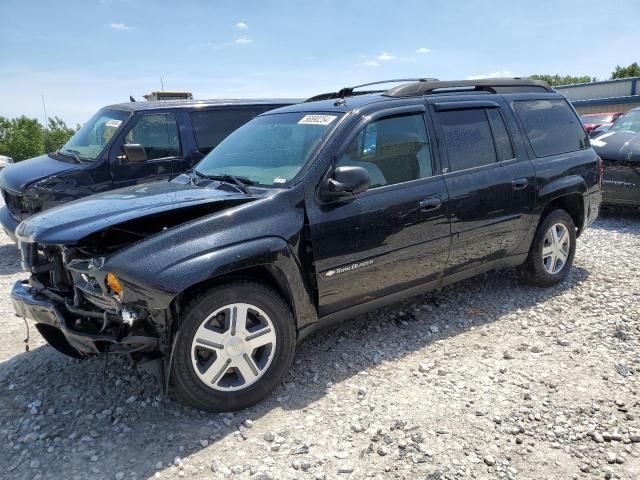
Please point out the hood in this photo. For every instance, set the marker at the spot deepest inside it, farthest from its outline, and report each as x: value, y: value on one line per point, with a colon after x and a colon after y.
x: 617, y: 146
x: 176, y: 202
x: 17, y: 176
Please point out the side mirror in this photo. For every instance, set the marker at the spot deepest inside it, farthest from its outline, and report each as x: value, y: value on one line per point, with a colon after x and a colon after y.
x: 133, y: 153
x: 346, y: 182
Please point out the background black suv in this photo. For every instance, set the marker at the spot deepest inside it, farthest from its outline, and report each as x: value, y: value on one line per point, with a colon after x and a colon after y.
x: 121, y: 145
x: 307, y: 215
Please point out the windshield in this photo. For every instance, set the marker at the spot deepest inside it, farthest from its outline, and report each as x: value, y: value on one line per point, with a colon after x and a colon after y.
x: 596, y: 119
x: 87, y: 144
x: 271, y: 149
x: 629, y: 122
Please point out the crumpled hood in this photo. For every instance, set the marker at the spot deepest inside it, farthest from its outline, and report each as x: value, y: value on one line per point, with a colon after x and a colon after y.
x: 17, y: 176
x: 618, y: 146
x: 71, y: 222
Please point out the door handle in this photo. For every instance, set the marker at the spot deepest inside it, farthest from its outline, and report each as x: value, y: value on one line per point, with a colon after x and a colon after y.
x: 520, y: 183
x: 431, y: 203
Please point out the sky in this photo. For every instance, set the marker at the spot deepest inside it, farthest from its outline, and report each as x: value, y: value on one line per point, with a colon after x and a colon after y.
x: 83, y: 54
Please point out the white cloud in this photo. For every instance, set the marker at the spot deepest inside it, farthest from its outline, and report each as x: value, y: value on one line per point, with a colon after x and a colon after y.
x: 241, y: 26
x: 423, y: 50
x: 119, y: 26
x: 500, y: 74
x: 371, y: 63
x: 384, y: 56
x: 220, y: 46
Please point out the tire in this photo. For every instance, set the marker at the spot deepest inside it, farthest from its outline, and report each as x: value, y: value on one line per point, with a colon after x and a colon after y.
x: 539, y: 269
x: 216, y: 366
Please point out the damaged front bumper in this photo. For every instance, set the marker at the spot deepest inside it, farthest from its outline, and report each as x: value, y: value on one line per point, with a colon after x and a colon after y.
x: 57, y: 322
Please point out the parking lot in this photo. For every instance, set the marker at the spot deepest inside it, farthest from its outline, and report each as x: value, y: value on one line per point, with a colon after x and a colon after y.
x: 484, y: 379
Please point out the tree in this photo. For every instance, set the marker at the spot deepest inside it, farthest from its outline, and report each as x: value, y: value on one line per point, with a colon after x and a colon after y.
x: 57, y: 134
x: 21, y: 138
x: 555, y: 80
x: 632, y: 70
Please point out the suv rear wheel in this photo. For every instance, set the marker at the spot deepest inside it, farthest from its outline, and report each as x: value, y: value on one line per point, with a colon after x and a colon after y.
x: 234, y: 346
x: 552, y: 251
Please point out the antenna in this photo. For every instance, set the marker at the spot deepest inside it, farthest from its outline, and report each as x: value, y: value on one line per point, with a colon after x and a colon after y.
x: 161, y: 85
x: 46, y: 118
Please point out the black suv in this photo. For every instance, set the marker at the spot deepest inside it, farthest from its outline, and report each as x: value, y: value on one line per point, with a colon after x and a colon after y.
x: 121, y: 145
x: 307, y: 215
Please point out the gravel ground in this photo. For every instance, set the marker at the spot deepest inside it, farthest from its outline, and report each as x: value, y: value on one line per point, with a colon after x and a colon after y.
x: 484, y: 379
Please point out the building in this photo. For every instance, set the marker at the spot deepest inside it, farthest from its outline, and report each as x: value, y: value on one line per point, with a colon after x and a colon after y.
x: 154, y: 96
x: 607, y: 96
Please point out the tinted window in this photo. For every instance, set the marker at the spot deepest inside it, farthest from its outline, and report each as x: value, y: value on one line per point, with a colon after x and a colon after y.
x: 158, y: 134
x: 551, y: 126
x: 468, y: 138
x: 212, y: 126
x: 501, y: 137
x: 392, y: 149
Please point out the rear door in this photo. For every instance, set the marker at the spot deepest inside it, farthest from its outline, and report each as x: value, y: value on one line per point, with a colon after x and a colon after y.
x: 490, y: 183
x: 396, y: 234
x: 158, y: 133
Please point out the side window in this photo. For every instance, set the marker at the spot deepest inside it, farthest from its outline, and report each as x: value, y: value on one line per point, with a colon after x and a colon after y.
x: 210, y: 127
x: 158, y: 134
x: 393, y: 150
x: 468, y: 138
x: 504, y: 148
x: 552, y: 126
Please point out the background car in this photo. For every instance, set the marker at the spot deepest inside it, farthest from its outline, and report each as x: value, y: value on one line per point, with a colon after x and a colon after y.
x: 4, y: 161
x: 595, y: 120
x: 121, y: 145
x: 619, y: 148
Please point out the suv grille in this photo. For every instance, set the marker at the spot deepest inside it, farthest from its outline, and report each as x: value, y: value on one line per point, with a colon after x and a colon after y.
x: 14, y: 202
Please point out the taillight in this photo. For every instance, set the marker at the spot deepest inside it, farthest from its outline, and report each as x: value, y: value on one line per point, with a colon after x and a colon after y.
x: 600, y: 172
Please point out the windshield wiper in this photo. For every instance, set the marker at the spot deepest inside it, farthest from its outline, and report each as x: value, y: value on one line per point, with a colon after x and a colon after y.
x: 71, y: 154
x: 239, y: 182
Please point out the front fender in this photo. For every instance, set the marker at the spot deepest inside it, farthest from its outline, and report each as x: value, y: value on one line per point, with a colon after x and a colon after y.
x: 166, y: 283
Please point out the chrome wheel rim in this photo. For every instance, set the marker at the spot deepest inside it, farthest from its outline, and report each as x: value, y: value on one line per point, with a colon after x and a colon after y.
x: 233, y: 347
x: 556, y: 248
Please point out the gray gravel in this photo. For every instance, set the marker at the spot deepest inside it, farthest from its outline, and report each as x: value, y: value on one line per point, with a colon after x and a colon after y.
x: 485, y: 379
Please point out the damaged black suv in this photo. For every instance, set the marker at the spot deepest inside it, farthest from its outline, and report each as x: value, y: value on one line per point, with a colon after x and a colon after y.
x: 307, y: 215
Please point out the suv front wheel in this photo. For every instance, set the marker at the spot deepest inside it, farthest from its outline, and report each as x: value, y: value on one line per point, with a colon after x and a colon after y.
x: 235, y: 344
x: 552, y: 250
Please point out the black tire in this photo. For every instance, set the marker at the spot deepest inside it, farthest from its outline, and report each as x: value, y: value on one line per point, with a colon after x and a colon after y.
x: 187, y: 387
x: 533, y: 271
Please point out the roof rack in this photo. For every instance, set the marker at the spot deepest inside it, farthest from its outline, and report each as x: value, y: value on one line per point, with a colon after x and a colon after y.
x: 491, y: 85
x: 349, y: 91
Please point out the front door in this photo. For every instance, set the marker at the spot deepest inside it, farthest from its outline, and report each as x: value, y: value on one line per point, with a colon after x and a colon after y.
x: 396, y: 234
x: 491, y: 189
x: 158, y: 134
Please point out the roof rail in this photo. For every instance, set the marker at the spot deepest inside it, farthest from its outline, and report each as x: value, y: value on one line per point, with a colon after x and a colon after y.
x: 492, y: 85
x: 349, y: 91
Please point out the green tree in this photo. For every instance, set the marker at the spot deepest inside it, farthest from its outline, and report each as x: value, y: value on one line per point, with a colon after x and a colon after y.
x: 57, y: 134
x: 632, y: 70
x: 555, y: 80
x: 21, y: 138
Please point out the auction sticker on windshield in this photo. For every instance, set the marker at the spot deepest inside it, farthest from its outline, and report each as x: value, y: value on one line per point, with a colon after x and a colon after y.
x: 317, y: 119
x: 113, y: 123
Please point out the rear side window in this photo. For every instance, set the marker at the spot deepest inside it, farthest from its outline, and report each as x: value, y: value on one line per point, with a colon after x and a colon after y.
x: 468, y: 138
x: 551, y: 126
x: 210, y: 127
